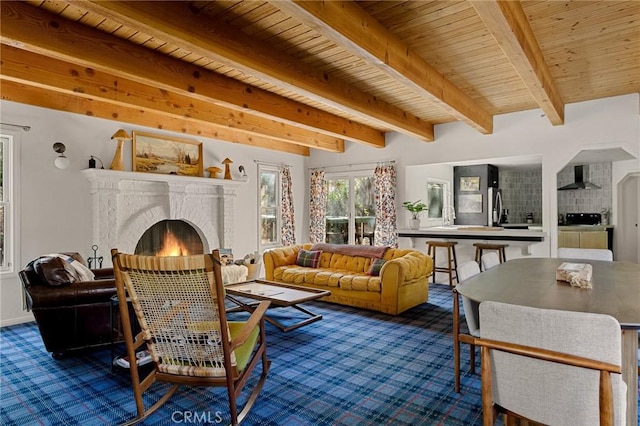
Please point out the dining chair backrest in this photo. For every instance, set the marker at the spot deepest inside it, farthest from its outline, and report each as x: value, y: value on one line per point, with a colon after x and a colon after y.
x: 544, y: 391
x: 466, y: 271
x: 584, y: 253
x: 489, y: 260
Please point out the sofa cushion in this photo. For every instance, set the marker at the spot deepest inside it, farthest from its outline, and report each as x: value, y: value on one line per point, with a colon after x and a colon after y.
x: 360, y: 282
x: 308, y: 258
x: 54, y: 270
x: 61, y: 268
x: 327, y: 277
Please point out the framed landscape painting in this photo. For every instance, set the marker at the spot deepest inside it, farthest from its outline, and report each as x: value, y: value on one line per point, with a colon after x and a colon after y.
x: 470, y: 183
x: 166, y: 155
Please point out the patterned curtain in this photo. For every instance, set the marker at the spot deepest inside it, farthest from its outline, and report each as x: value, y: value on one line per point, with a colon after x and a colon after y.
x: 385, y: 191
x: 317, y: 207
x: 288, y: 228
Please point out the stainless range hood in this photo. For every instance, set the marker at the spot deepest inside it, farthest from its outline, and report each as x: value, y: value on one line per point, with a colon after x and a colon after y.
x: 580, y: 174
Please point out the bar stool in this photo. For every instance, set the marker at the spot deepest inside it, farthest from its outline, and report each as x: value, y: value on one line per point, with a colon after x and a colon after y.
x: 452, y: 263
x: 500, y: 248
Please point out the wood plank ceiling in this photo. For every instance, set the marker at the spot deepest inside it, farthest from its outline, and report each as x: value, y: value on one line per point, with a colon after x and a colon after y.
x: 293, y: 76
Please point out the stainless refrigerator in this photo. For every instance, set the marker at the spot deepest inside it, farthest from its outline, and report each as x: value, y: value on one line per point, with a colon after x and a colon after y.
x: 495, y: 207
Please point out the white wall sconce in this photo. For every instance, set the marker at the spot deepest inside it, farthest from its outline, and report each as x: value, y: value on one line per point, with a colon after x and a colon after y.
x: 242, y: 170
x: 61, y: 161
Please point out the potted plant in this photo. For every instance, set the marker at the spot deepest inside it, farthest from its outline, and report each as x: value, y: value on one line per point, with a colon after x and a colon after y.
x: 416, y: 208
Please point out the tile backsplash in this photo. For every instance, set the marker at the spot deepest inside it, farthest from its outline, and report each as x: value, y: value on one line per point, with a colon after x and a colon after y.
x: 522, y: 194
x: 586, y: 200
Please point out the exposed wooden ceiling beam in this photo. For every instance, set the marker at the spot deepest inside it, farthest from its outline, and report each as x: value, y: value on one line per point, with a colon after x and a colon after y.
x: 36, y: 70
x: 36, y: 96
x: 509, y: 25
x: 32, y: 29
x: 177, y: 23
x: 350, y: 26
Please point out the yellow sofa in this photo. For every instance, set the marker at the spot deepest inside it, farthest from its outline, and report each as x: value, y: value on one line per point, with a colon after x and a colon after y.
x: 401, y: 285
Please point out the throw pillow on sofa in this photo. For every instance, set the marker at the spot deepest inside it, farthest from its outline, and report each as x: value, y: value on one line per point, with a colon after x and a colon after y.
x: 62, y: 268
x: 376, y: 266
x: 308, y: 258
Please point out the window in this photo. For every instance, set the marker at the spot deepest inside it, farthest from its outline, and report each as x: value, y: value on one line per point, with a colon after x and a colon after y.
x: 439, y: 203
x: 270, y: 216
x: 350, y: 209
x: 7, y: 205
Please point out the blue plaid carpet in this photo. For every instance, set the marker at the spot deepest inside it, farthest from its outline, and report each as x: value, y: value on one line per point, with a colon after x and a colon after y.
x: 353, y: 367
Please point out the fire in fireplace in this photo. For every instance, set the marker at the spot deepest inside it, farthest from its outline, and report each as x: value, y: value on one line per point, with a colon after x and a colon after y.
x: 170, y: 238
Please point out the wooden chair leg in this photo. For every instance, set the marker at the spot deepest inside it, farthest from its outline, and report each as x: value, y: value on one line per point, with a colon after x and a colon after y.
x: 488, y: 409
x: 472, y: 358
x: 455, y: 263
x: 449, y: 265
x: 456, y: 341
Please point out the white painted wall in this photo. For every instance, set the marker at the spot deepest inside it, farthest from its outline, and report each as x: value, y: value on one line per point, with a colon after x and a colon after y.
x: 55, y: 212
x: 598, y: 124
x: 55, y: 204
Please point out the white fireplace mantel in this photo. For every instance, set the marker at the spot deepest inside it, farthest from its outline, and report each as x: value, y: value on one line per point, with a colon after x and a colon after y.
x: 125, y: 204
x: 104, y: 175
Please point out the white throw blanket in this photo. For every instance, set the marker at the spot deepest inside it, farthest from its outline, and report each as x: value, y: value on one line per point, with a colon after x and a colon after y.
x: 234, y: 274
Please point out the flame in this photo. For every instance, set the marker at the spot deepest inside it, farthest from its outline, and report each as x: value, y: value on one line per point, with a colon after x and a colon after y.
x: 172, y: 246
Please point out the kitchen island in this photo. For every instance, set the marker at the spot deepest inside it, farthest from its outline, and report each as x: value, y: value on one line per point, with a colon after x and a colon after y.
x: 466, y: 235
x: 471, y: 232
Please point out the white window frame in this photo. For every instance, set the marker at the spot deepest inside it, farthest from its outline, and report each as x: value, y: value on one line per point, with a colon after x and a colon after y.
x: 350, y: 176
x: 266, y: 168
x: 10, y: 140
x: 448, y: 212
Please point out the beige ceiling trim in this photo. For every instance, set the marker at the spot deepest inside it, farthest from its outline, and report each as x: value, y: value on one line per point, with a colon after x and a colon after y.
x: 508, y: 24
x: 177, y: 24
x: 37, y: 70
x: 32, y: 29
x: 348, y: 25
x: 37, y: 96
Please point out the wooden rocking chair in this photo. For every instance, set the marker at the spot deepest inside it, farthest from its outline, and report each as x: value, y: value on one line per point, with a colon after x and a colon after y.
x: 179, y: 304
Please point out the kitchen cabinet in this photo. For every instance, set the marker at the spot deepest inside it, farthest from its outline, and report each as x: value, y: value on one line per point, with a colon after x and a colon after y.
x: 593, y: 239
x: 569, y: 239
x: 583, y: 239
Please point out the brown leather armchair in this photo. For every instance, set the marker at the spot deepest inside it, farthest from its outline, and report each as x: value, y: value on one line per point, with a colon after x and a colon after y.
x: 70, y: 315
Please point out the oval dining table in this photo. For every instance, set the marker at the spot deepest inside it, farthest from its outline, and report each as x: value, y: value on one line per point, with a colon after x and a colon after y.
x: 532, y: 282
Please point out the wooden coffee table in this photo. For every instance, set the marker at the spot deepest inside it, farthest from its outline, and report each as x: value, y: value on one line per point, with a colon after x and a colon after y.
x: 281, y: 295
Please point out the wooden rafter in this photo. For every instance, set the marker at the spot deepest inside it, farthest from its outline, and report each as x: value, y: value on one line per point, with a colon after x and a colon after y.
x: 348, y: 25
x: 176, y: 23
x: 32, y: 29
x: 509, y: 25
x: 36, y: 70
x: 37, y: 96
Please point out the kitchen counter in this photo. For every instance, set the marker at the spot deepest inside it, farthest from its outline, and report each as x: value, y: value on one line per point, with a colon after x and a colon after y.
x: 471, y: 232
x: 584, y: 228
x: 520, y: 225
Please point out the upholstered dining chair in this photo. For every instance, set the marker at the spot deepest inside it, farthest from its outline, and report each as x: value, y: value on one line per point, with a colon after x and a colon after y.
x: 465, y: 271
x: 179, y: 303
x: 550, y: 366
x: 584, y: 253
x: 489, y: 260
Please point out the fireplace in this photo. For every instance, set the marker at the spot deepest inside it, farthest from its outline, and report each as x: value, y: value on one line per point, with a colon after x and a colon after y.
x: 170, y: 238
x: 126, y: 205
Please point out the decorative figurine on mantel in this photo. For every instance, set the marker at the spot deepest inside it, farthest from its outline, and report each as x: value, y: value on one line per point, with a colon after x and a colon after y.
x: 213, y: 172
x: 227, y: 168
x: 118, y: 158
